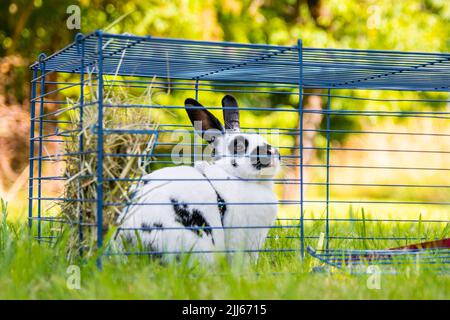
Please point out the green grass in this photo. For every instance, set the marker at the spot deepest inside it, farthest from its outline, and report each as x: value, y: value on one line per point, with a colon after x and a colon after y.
x: 29, y: 270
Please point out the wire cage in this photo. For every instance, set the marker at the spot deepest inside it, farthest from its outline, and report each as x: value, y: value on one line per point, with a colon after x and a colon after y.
x: 364, y: 171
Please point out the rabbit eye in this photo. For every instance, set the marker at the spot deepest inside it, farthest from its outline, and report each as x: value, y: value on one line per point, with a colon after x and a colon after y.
x: 239, y: 146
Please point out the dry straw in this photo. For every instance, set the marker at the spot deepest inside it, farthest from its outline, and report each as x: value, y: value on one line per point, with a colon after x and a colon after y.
x: 80, y: 170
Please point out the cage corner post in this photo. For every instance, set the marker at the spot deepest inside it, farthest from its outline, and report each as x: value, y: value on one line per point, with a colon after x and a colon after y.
x: 328, y: 149
x: 79, y: 39
x: 32, y: 139
x: 100, y: 151
x: 300, y: 126
x: 42, y: 67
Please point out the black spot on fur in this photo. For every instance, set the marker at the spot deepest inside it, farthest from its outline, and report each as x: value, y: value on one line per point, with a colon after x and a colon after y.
x: 214, y: 154
x: 222, y: 205
x: 234, y: 163
x: 149, y: 228
x: 131, y: 242
x: 192, y: 219
x: 149, y: 247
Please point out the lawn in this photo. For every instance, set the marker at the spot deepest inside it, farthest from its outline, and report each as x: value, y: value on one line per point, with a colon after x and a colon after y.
x: 29, y: 270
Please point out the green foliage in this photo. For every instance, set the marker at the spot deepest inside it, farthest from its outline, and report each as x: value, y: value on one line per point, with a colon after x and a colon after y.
x: 30, y: 27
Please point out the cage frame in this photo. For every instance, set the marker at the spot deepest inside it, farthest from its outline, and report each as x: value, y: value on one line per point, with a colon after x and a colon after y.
x: 377, y: 70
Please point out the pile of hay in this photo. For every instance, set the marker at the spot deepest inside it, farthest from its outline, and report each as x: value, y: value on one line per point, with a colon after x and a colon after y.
x: 80, y: 170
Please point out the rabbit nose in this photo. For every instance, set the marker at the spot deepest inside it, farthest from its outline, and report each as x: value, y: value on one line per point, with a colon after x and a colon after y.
x: 261, y: 157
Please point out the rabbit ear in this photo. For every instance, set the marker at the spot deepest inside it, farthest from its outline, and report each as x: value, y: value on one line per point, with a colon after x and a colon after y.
x: 230, y: 113
x: 203, y: 120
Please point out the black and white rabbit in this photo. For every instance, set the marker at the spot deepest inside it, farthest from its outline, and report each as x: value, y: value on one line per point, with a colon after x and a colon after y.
x: 208, y: 207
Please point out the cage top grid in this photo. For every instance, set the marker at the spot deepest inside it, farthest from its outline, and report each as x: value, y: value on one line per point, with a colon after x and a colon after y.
x: 147, y: 56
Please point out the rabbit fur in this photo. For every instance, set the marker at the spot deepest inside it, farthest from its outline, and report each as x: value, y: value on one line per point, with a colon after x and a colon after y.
x: 218, y: 206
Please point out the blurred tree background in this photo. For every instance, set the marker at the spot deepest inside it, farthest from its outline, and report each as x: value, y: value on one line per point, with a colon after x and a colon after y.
x: 29, y: 27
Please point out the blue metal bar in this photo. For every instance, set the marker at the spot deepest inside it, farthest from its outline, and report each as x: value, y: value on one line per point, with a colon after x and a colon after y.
x: 61, y: 111
x: 355, y: 238
x: 177, y: 87
x: 194, y: 107
x: 81, y: 140
x: 397, y: 71
x: 57, y: 121
x: 126, y: 203
x: 135, y: 83
x: 156, y: 161
x: 296, y: 131
x: 284, y: 180
x: 210, y: 228
x: 370, y: 220
x: 57, y: 102
x: 366, y: 113
x: 377, y: 167
x: 128, y: 253
x: 51, y: 178
x: 300, y: 125
x: 40, y: 148
x: 286, y: 202
x: 57, y: 90
x: 71, y: 154
x: 54, y: 199
x: 31, y: 161
x: 99, y: 201
x: 327, y: 226
x: 66, y: 133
